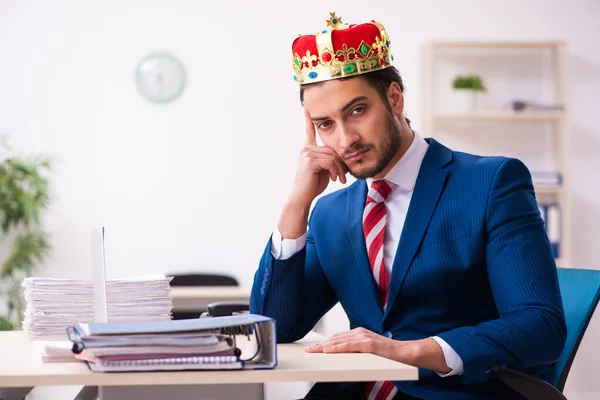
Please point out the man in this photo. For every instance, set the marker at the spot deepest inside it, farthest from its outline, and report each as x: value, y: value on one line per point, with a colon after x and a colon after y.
x: 439, y: 258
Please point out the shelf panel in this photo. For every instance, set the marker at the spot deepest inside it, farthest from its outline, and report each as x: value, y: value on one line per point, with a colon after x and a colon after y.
x: 549, y: 190
x: 496, y: 44
x: 500, y: 116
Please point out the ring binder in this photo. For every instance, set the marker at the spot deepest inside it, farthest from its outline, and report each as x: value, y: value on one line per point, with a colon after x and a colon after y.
x: 175, y: 345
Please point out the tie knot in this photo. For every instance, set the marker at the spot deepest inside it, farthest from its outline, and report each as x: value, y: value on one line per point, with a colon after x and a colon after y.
x: 379, y: 191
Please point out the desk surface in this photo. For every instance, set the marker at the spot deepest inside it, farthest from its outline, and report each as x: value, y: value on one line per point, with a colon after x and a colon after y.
x: 20, y: 366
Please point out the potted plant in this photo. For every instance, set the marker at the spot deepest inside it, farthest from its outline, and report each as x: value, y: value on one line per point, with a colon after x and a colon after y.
x: 24, y: 195
x: 466, y: 88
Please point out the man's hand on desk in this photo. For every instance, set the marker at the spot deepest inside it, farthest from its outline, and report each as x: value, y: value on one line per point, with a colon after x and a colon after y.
x: 425, y: 353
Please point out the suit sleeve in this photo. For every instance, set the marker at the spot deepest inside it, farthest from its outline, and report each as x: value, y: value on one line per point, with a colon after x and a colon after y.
x: 295, y: 291
x: 522, y: 275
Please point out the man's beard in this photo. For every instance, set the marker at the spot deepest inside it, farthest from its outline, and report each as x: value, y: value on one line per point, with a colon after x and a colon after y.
x: 389, y: 147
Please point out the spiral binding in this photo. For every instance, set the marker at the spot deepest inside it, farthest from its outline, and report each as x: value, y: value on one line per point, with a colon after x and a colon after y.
x: 213, y: 360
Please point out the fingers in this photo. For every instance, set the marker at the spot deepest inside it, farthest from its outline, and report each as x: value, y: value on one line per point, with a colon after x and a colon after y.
x: 327, y: 159
x: 327, y: 164
x: 347, y: 347
x: 314, y: 349
x: 320, y: 347
x: 341, y: 167
x: 355, y: 340
x: 311, y: 134
x: 334, y: 165
x: 311, y: 143
x: 351, y: 334
x: 328, y: 151
x: 355, y: 345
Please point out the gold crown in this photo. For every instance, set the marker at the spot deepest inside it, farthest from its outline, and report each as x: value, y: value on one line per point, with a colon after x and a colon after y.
x: 340, y: 50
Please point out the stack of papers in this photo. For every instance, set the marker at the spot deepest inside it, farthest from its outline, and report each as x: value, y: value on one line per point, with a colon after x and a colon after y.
x: 54, y: 351
x: 53, y: 305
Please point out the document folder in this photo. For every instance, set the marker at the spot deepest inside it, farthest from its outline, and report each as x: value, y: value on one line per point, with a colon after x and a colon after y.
x: 190, y: 344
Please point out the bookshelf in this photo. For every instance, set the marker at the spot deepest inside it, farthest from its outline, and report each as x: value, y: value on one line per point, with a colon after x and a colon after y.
x: 531, y: 71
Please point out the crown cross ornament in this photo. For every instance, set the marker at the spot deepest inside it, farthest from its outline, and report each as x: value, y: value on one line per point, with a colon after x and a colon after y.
x: 340, y: 50
x: 334, y: 21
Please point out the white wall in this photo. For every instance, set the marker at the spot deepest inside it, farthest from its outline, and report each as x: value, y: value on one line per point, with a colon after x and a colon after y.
x: 198, y: 184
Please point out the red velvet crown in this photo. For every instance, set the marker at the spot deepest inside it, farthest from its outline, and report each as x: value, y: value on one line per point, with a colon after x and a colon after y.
x: 340, y: 50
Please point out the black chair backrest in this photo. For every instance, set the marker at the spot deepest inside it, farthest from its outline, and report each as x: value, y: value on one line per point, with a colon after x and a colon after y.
x: 202, y: 280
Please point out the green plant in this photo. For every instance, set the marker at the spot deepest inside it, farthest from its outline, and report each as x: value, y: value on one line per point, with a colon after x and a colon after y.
x: 470, y: 82
x: 24, y: 195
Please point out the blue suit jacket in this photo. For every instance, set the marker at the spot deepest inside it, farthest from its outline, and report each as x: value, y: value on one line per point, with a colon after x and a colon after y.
x: 473, y: 266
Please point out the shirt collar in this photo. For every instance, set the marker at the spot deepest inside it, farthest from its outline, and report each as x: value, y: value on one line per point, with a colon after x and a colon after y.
x: 404, y: 173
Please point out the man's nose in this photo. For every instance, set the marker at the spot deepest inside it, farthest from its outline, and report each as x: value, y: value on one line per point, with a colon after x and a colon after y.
x: 348, y: 137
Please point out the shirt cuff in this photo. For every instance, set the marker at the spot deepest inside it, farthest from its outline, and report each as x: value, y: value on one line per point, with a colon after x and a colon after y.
x: 282, y: 249
x: 453, y: 360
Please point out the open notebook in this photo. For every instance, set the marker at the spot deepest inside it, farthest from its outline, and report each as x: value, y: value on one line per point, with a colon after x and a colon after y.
x: 191, y: 344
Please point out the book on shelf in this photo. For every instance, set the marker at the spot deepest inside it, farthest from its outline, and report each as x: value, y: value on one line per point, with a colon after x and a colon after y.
x: 551, y: 215
x: 545, y: 179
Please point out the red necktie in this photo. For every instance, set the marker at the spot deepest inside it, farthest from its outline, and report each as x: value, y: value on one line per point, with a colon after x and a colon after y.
x: 374, y: 218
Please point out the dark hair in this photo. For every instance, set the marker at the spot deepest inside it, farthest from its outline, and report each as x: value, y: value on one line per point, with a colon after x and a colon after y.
x: 380, y: 80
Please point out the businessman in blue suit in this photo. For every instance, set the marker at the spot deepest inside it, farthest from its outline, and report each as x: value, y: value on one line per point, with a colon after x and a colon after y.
x: 439, y: 258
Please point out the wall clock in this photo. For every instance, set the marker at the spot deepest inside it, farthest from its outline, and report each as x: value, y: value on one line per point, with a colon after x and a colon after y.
x: 160, y: 77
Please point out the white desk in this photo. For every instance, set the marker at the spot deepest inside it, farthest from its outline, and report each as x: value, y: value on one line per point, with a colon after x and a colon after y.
x: 192, y: 298
x: 21, y: 367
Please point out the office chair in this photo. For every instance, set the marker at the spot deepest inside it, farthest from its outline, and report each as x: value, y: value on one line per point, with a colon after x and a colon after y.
x: 199, y: 280
x: 580, y: 291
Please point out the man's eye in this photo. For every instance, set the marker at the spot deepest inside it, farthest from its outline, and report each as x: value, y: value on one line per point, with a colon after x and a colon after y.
x: 324, y: 125
x: 358, y: 110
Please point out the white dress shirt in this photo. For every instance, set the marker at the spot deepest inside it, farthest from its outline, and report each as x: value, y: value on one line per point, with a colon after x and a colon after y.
x: 402, y: 177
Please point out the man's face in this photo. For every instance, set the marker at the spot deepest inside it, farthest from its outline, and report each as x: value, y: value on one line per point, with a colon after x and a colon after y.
x: 352, y: 119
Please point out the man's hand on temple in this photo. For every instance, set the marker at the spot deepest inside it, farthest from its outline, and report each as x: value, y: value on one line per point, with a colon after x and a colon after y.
x: 318, y: 166
x: 425, y: 353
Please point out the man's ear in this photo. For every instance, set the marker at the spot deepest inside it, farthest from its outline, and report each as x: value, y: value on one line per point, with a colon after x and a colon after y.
x: 395, y: 98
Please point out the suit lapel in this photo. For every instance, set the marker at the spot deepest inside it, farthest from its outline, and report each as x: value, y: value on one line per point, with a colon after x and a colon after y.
x: 428, y: 188
x: 356, y: 204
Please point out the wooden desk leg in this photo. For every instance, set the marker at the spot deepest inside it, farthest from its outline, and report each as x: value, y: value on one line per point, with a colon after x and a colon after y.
x: 14, y: 393
x: 183, y: 392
